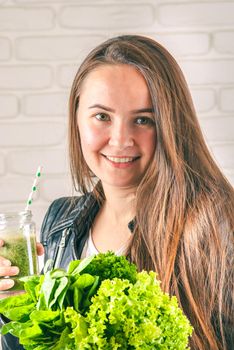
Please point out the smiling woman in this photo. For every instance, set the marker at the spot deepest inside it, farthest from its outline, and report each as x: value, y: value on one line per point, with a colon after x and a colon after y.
x: 150, y: 188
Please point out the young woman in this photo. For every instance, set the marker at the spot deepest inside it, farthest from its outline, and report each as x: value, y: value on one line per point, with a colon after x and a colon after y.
x: 150, y: 188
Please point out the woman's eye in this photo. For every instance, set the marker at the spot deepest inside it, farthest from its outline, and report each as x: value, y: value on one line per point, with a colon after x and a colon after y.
x: 144, y: 121
x: 102, y: 117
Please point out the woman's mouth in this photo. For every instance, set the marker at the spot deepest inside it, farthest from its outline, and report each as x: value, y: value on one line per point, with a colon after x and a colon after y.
x: 121, y: 159
x: 121, y: 162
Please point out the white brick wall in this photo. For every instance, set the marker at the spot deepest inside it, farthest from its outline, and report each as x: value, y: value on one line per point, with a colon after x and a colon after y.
x: 43, y: 42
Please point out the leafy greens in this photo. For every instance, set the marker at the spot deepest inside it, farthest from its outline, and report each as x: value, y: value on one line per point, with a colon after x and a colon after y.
x: 99, y: 303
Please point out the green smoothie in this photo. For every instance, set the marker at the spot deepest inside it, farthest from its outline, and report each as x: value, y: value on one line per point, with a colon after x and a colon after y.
x: 20, y: 249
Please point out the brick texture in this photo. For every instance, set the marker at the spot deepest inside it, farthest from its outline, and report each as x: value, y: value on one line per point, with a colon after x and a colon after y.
x: 193, y: 13
x: 227, y: 99
x: 42, y: 44
x: 224, y: 155
x: 2, y: 164
x: 9, y: 106
x: 55, y: 48
x: 204, y: 99
x: 55, y: 187
x: 224, y: 42
x: 25, y: 77
x: 185, y: 44
x: 107, y: 17
x: 218, y: 130
x: 24, y: 18
x: 31, y: 134
x: 53, y: 160
x: 5, y: 49
x: 209, y: 72
x: 46, y: 105
x: 65, y: 75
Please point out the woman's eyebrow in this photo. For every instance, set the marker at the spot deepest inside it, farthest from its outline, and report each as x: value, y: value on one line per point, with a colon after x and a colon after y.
x: 141, y: 110
x: 102, y: 107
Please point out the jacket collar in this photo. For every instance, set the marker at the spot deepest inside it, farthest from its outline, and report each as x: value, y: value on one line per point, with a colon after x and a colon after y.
x: 77, y: 210
x: 81, y: 210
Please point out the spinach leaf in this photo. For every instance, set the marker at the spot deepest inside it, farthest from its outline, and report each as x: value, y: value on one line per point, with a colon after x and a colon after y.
x: 82, y: 265
x: 60, y: 292
x: 46, y: 293
x: 83, y: 281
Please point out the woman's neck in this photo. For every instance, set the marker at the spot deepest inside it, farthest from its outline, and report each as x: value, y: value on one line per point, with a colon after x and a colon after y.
x: 119, y: 205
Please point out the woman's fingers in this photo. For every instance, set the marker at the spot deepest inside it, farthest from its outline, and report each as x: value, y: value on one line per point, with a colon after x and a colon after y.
x: 5, y: 284
x: 6, y: 270
x: 4, y: 262
x: 9, y: 270
x: 10, y: 293
x: 40, y: 249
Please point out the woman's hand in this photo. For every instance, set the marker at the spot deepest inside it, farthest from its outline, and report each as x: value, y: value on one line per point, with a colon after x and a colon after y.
x: 7, y: 270
x: 40, y: 249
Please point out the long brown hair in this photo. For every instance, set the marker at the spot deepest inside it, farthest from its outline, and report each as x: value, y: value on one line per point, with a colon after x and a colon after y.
x: 184, y: 204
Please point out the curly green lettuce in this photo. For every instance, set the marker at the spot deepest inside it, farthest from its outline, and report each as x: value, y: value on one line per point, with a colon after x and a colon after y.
x: 109, y: 266
x: 139, y: 316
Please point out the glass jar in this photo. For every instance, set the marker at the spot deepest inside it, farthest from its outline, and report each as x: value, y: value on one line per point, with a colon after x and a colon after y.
x: 18, y: 232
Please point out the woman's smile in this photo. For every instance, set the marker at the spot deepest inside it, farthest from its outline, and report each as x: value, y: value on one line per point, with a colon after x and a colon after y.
x: 121, y: 162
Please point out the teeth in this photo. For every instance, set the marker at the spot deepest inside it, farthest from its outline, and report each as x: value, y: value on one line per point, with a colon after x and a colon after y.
x: 120, y: 160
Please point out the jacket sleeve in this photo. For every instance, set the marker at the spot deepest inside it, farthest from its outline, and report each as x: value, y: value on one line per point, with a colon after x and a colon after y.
x: 57, y: 212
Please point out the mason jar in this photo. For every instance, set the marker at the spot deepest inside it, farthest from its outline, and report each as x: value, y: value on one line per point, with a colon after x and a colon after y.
x: 18, y: 232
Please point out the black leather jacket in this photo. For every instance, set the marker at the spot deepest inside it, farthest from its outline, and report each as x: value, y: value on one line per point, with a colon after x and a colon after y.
x: 63, y: 234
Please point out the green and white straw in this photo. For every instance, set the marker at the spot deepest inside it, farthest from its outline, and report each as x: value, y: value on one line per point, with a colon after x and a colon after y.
x: 34, y: 188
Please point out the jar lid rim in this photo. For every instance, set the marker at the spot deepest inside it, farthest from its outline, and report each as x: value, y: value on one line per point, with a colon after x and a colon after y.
x: 15, y: 214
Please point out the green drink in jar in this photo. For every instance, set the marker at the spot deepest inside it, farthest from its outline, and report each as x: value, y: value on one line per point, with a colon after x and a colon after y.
x: 18, y: 232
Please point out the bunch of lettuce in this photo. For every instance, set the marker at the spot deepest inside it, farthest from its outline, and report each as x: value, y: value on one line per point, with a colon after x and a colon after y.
x: 99, y: 303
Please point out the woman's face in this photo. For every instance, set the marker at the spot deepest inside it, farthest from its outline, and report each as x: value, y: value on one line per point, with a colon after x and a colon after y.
x: 116, y: 125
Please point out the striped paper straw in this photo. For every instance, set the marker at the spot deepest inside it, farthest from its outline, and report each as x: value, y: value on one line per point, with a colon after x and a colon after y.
x: 34, y: 188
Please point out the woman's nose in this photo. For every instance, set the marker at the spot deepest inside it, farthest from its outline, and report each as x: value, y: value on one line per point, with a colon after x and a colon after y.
x: 121, y: 136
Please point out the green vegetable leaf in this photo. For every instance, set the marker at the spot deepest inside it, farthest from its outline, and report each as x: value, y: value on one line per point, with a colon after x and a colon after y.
x: 27, y: 334
x: 82, y: 265
x: 60, y: 292
x: 15, y: 327
x: 139, y: 315
x: 83, y: 281
x: 109, y: 266
x: 48, y: 266
x: 77, y: 297
x: 72, y: 266
x: 44, y: 315
x: 65, y: 342
x: 14, y: 301
x: 78, y: 324
x: 58, y: 273
x: 19, y: 313
x: 30, y: 285
x: 99, y: 303
x: 47, y: 289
